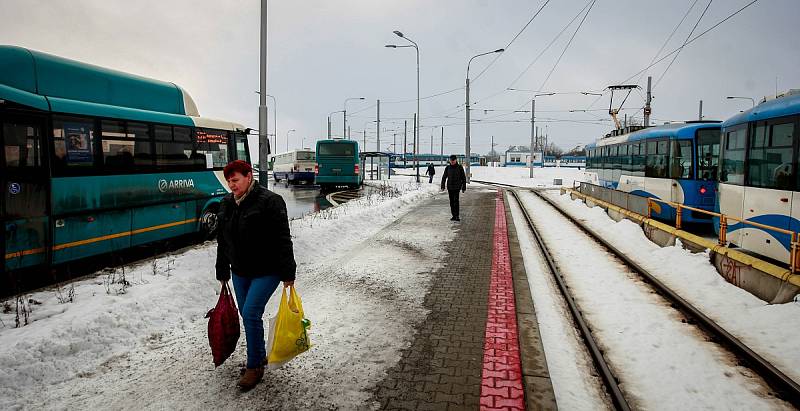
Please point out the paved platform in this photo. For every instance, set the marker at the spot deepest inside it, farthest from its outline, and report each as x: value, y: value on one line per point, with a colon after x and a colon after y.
x: 466, y: 354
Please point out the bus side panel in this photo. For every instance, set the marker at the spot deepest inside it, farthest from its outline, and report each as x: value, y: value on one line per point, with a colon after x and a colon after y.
x: 91, y: 234
x: 25, y: 242
x: 158, y: 222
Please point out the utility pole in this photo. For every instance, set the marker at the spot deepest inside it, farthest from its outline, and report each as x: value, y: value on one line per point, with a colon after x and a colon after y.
x: 647, y: 109
x: 329, y: 127
x: 533, y: 136
x: 441, y: 148
x: 700, y: 115
x: 379, y: 127
x: 493, y: 154
x: 263, y: 137
x: 405, y: 137
x: 431, y: 140
x: 348, y: 132
x: 365, y: 139
x: 416, y: 145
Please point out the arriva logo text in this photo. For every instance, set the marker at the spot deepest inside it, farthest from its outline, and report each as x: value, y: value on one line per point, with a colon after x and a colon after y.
x: 174, y: 185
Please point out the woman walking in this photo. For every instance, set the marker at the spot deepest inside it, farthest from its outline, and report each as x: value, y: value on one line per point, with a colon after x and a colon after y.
x: 254, y: 248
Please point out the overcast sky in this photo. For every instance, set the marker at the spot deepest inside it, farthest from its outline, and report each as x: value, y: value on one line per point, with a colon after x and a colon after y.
x: 322, y: 52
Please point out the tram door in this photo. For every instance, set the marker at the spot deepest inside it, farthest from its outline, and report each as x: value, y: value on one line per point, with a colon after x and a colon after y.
x: 24, y: 180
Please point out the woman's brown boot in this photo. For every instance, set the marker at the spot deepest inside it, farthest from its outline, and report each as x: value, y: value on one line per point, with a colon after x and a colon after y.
x: 251, y: 377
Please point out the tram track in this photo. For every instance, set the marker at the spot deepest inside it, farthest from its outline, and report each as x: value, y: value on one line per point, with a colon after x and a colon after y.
x: 783, y: 387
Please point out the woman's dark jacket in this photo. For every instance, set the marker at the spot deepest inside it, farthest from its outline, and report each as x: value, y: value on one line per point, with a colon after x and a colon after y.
x: 455, y: 178
x: 253, y: 237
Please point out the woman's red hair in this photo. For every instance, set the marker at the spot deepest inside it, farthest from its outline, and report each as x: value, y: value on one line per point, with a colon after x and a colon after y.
x: 237, y: 166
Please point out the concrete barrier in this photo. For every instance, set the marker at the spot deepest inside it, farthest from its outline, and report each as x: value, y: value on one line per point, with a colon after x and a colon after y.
x: 767, y: 281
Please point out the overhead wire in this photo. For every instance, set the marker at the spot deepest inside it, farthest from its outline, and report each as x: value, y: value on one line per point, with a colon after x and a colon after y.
x: 663, y: 45
x: 512, y: 41
x: 567, y: 46
x: 684, y: 43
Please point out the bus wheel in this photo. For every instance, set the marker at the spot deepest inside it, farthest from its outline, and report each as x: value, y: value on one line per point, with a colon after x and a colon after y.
x: 208, y: 223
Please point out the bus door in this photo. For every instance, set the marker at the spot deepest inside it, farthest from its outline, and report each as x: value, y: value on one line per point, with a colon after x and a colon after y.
x: 24, y: 180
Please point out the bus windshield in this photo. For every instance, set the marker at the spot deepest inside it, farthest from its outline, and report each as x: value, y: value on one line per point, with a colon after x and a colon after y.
x: 336, y: 149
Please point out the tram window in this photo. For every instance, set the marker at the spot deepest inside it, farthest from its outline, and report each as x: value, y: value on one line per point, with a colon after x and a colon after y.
x: 769, y: 161
x: 73, y: 142
x: 22, y: 145
x: 657, y: 159
x: 707, y: 154
x: 732, y: 167
x: 681, y: 159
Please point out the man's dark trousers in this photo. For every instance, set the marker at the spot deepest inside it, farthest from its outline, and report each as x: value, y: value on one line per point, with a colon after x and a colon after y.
x: 453, y: 202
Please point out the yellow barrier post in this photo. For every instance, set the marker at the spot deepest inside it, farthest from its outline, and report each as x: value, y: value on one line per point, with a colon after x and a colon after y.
x: 678, y: 217
x: 723, y: 230
x: 793, y: 254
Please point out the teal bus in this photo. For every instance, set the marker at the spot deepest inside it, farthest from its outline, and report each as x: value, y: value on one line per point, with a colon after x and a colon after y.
x: 338, y: 165
x: 96, y: 161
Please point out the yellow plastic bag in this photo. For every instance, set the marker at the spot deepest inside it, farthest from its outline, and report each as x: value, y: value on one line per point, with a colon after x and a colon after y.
x: 288, y: 336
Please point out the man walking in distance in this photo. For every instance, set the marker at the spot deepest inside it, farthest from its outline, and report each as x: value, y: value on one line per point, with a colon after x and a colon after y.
x: 430, y: 172
x: 456, y: 180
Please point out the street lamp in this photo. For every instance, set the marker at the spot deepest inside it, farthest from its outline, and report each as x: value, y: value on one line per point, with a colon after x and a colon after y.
x: 344, y: 126
x: 287, y: 138
x: 743, y: 98
x: 329, y: 122
x: 416, y: 132
x: 466, y: 143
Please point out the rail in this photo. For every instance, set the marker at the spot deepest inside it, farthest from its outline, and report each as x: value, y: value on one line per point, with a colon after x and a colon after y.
x: 609, y: 379
x: 794, y: 252
x: 787, y: 388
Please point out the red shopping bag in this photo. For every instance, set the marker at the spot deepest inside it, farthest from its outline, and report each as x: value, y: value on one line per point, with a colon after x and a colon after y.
x: 223, y: 327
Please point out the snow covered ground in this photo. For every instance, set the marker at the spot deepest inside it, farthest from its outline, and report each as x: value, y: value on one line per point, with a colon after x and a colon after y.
x: 520, y: 176
x: 662, y: 362
x: 575, y: 383
x: 363, y: 270
x: 769, y: 329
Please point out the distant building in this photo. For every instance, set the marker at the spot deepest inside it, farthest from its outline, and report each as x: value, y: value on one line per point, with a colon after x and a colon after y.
x: 520, y: 156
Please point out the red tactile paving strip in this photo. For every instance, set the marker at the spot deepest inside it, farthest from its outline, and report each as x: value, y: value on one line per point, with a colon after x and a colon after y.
x: 501, y: 384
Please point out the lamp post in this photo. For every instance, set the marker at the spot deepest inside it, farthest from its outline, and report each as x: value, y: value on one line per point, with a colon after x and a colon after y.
x: 287, y: 138
x: 329, y: 123
x: 344, y: 110
x: 416, y: 131
x: 274, y: 118
x: 466, y: 142
x: 752, y: 101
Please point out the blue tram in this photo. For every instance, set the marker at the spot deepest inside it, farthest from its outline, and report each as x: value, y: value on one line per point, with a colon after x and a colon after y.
x: 673, y: 162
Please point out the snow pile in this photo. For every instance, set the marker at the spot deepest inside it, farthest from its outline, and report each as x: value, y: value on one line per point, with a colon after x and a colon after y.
x: 108, y: 321
x: 770, y: 330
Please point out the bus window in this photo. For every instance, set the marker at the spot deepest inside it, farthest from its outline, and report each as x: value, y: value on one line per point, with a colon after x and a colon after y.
x: 337, y: 149
x: 143, y: 153
x: 125, y: 148
x: 305, y: 156
x: 213, y: 145
x: 240, y: 141
x: 174, y: 147
x: 22, y: 145
x: 769, y: 161
x: 733, y: 156
x: 707, y: 154
x: 73, y: 142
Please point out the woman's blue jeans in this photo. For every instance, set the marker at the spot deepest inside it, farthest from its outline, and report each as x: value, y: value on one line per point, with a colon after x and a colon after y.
x: 252, y: 295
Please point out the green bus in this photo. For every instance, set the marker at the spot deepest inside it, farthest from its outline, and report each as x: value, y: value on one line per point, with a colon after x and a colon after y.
x: 95, y: 161
x: 338, y: 164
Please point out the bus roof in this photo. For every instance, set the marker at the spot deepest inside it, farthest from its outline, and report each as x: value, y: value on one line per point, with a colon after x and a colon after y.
x: 785, y: 105
x: 674, y: 131
x: 51, y: 83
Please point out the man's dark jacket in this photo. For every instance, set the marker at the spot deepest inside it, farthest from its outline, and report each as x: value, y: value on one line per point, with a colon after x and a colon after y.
x: 253, y: 237
x: 456, y: 179
x: 431, y: 171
